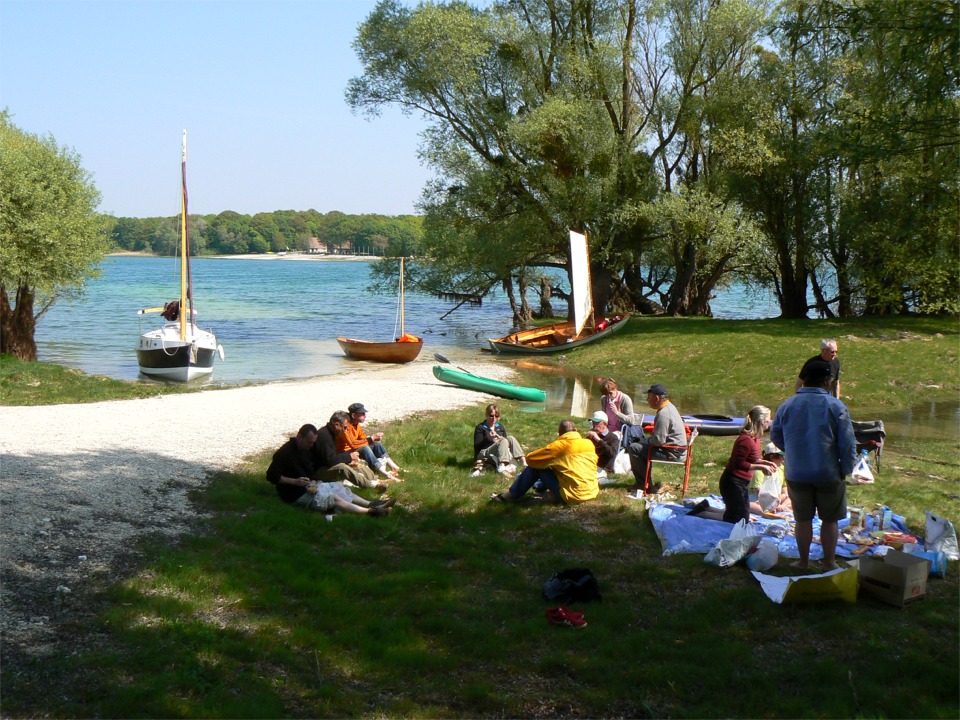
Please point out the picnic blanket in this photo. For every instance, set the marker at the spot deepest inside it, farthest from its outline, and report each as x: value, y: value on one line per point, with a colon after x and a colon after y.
x: 680, y: 533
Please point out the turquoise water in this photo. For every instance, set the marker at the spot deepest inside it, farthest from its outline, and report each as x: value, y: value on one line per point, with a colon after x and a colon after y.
x: 276, y: 319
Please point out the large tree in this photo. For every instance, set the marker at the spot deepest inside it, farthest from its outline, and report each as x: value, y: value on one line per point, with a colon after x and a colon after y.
x: 51, y: 237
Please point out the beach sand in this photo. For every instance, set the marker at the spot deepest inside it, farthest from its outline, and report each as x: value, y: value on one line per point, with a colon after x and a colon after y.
x: 81, y: 484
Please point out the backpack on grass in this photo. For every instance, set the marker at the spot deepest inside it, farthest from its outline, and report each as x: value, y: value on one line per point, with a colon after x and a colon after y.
x: 572, y: 585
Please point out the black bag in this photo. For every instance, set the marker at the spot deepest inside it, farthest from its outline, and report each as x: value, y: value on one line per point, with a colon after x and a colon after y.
x: 572, y: 585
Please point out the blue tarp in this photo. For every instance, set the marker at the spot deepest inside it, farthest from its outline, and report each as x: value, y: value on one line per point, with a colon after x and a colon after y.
x: 680, y: 533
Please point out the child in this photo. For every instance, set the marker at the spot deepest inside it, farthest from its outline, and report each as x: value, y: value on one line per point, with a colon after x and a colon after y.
x: 767, y: 502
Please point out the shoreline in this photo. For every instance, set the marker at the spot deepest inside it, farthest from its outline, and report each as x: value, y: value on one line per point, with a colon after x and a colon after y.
x: 297, y: 257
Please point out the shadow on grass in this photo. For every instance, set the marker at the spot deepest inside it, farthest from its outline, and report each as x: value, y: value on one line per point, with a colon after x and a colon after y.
x: 436, y: 611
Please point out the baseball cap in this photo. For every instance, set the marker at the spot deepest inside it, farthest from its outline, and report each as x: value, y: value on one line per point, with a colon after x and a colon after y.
x: 771, y: 449
x: 599, y: 416
x: 357, y: 408
x: 657, y: 389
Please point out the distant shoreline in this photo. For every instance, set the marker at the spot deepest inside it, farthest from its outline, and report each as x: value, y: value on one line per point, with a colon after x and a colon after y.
x: 259, y: 256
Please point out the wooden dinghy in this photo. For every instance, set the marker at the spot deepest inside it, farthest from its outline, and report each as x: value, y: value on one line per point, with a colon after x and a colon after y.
x: 565, y: 336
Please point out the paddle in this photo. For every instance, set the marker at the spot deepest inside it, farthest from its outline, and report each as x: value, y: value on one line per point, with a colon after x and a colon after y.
x: 440, y: 358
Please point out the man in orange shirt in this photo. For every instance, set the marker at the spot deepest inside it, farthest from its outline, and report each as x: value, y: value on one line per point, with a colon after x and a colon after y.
x: 371, y: 449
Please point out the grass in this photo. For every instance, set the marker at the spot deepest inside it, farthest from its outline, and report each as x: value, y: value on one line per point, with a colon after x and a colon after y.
x: 269, y: 611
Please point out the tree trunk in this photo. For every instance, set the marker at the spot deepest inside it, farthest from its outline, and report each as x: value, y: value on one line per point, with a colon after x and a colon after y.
x: 546, y: 309
x: 17, y: 325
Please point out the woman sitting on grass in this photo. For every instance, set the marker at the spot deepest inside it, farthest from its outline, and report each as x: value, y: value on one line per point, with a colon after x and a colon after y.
x: 492, y: 446
x: 744, y: 459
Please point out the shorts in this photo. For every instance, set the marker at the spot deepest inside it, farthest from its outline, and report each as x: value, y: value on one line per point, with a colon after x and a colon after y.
x: 828, y: 500
x: 323, y: 500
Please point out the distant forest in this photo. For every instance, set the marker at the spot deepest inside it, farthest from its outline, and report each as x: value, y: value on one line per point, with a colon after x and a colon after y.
x: 231, y: 233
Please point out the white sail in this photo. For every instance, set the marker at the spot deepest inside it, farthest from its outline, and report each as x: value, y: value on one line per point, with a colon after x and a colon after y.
x: 580, y: 274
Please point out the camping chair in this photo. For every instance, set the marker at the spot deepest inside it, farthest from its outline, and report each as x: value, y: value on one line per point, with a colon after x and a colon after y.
x: 685, y: 461
x: 870, y: 437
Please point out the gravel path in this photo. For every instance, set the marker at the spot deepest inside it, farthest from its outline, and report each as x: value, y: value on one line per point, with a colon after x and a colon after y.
x: 79, y: 484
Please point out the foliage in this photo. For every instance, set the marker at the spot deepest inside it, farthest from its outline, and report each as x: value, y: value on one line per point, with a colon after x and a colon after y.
x: 231, y: 233
x: 51, y: 239
x: 832, y: 123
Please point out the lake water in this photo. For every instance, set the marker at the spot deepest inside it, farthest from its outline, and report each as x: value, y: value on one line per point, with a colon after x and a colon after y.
x: 276, y: 319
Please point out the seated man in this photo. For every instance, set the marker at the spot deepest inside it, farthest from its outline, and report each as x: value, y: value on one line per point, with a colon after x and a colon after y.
x: 606, y: 443
x: 370, y: 448
x: 292, y: 471
x: 347, y: 466
x: 567, y: 468
x: 667, y: 430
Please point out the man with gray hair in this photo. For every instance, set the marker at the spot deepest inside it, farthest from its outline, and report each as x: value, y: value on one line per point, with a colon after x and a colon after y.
x: 667, y: 430
x: 828, y: 353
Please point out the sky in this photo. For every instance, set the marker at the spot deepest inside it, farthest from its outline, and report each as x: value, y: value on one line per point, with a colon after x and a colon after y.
x: 258, y: 85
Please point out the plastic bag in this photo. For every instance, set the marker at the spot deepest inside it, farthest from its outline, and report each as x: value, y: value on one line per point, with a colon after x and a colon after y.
x: 726, y: 553
x: 621, y: 465
x: 862, y: 474
x: 941, y: 537
x: 769, y: 494
x: 764, y: 557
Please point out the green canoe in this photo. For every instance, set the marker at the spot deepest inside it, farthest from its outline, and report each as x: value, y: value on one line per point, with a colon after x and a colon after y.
x: 487, y: 385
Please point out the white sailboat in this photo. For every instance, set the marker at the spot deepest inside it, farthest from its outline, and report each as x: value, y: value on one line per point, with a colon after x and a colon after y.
x: 561, y: 337
x: 178, y: 349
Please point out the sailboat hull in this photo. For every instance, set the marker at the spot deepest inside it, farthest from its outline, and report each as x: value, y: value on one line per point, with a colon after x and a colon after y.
x: 386, y: 352
x: 161, y: 353
x: 560, y: 337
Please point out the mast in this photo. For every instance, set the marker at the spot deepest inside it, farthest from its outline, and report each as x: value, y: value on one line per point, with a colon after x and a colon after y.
x: 184, y: 242
x: 402, y: 331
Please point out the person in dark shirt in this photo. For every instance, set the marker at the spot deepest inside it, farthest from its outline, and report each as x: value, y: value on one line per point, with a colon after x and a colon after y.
x: 606, y: 442
x: 292, y: 472
x: 828, y: 353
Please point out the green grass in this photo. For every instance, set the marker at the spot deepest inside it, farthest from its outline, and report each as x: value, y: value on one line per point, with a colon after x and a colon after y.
x: 39, y: 383
x: 435, y: 611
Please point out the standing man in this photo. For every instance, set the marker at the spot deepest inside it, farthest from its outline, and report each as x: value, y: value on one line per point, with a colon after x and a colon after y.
x: 815, y: 431
x: 346, y: 465
x: 828, y: 353
x: 605, y: 442
x: 667, y: 430
x: 567, y: 467
x: 371, y: 448
x: 292, y: 471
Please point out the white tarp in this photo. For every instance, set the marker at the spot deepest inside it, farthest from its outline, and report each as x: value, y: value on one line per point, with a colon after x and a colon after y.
x: 580, y: 274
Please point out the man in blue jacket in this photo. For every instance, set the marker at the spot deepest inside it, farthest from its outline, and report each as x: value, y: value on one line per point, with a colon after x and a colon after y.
x: 815, y: 431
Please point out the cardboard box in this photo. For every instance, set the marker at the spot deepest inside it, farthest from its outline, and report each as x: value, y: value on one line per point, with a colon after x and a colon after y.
x: 895, y: 578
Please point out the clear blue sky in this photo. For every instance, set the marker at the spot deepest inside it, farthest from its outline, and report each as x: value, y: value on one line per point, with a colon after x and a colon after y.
x: 258, y: 85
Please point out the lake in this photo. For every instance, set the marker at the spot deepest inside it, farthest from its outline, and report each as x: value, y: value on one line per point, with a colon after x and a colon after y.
x: 277, y: 318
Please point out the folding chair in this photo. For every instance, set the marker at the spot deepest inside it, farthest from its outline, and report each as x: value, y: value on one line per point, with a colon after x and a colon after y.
x: 685, y: 461
x: 870, y: 435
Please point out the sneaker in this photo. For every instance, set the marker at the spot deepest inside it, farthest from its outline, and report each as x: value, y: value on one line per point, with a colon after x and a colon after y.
x: 378, y: 511
x: 477, y: 471
x: 566, y: 618
x: 508, y: 469
x: 383, y: 502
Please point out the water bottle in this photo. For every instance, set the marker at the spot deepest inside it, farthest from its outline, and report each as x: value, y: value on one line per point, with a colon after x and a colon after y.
x: 865, y: 456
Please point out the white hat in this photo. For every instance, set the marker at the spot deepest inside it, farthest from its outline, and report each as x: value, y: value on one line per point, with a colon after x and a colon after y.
x: 772, y: 449
x: 599, y: 416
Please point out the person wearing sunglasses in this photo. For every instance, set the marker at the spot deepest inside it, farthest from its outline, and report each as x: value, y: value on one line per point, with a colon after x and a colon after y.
x: 493, y: 448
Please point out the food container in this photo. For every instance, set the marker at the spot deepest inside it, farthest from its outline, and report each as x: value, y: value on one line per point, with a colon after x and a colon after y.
x: 856, y: 515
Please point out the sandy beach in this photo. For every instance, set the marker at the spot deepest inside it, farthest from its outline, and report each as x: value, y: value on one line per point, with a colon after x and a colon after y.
x: 80, y: 484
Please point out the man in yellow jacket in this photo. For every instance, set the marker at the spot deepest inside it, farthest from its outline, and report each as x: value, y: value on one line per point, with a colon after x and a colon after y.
x: 567, y: 467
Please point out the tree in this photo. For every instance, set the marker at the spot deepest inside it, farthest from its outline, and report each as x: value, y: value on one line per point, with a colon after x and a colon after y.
x: 51, y: 237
